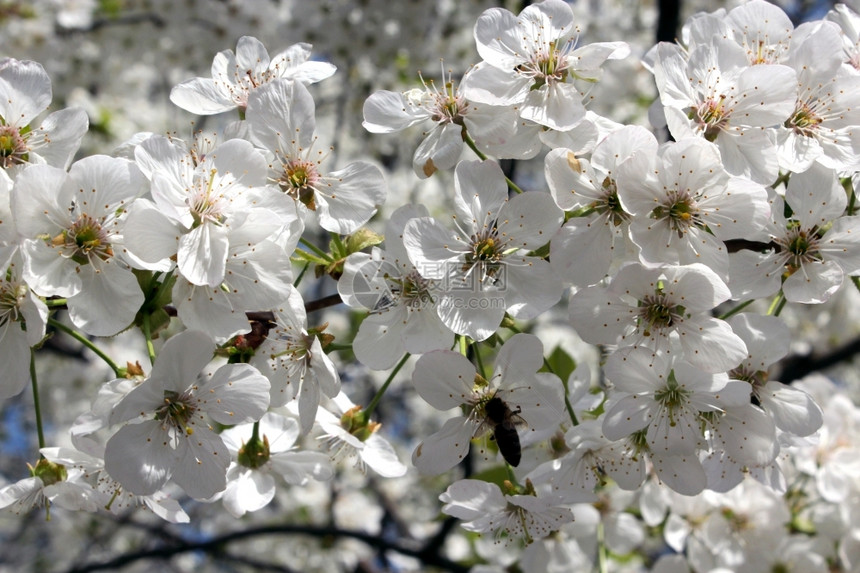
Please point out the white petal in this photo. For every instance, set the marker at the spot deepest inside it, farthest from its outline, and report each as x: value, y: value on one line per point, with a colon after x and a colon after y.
x: 387, y: 112
x: 440, y: 150
x: 684, y: 474
x: 444, y: 449
x: 793, y: 410
x: 201, y: 96
x: 109, y: 299
x: 140, y: 458
x: 235, y: 394
x: 202, y: 255
x: 200, y: 467
x: 248, y: 491
x: 444, y: 379
x: 381, y: 457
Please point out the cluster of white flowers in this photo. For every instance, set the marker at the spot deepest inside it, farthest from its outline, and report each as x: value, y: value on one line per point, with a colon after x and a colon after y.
x: 674, y: 259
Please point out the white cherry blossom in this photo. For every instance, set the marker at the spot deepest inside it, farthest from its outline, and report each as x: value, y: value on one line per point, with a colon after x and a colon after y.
x: 824, y: 125
x: 402, y: 303
x: 815, y: 258
x: 168, y: 434
x: 25, y: 92
x: 196, y: 202
x: 531, y: 61
x: 714, y: 93
x: 664, y: 308
x: 236, y: 76
x: 281, y: 119
x: 261, y: 454
x: 684, y: 205
x: 495, y: 129
x: 294, y: 361
x: 350, y: 435
x: 512, y: 516
x: 484, y: 264
x: 447, y: 380
x: 73, y: 238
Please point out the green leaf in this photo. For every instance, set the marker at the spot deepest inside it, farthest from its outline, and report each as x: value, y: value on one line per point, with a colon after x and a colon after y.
x: 561, y: 363
x: 362, y: 239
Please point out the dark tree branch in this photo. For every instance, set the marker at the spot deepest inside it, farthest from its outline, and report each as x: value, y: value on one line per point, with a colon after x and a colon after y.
x: 668, y: 20
x: 216, y: 546
x: 796, y: 367
x: 324, y: 302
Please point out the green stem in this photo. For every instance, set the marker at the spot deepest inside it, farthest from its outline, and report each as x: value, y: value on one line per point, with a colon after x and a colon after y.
x: 777, y: 305
x: 848, y: 185
x: 602, y: 557
x: 147, y: 334
x: 736, y: 309
x: 479, y: 362
x: 334, y: 347
x: 319, y: 252
x: 511, y: 477
x: 471, y: 143
x: 56, y: 302
x: 464, y: 346
x: 373, y: 403
x: 338, y: 243
x: 301, y: 274
x: 36, y: 402
x: 86, y: 342
x: 568, y: 406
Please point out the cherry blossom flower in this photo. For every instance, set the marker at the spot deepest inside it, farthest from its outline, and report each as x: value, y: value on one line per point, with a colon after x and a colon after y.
x: 99, y: 490
x: 23, y: 316
x: 401, y: 302
x: 349, y: 434
x: 72, y: 229
x: 485, y: 263
x: 446, y: 380
x: 236, y: 76
x: 261, y: 454
x: 48, y: 483
x: 585, y: 247
x: 168, y: 435
x: 684, y: 205
x: 824, y: 124
x: 25, y: 92
x: 343, y: 200
x: 767, y: 341
x: 714, y: 93
x: 513, y: 516
x: 196, y: 202
x: 593, y: 458
x: 663, y: 308
x: 815, y: 258
x: 495, y: 129
x: 664, y: 400
x: 531, y: 61
x: 294, y: 361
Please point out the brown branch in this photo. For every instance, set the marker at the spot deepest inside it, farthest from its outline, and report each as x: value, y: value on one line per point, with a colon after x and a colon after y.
x: 217, y: 544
